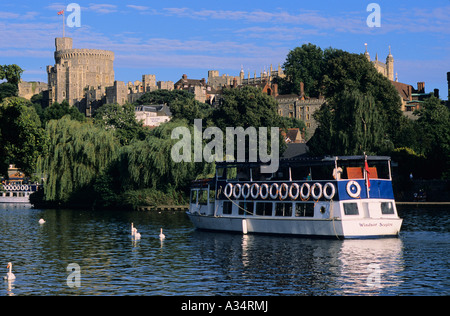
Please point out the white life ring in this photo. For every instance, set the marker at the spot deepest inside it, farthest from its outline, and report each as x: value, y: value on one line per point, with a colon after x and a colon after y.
x: 350, y: 192
x: 313, y: 191
x: 284, y: 195
x: 264, y: 196
x: 273, y: 195
x: 292, y: 196
x: 308, y: 187
x: 228, y: 190
x: 26, y: 187
x: 254, y: 191
x: 239, y: 187
x: 325, y: 190
x: 22, y: 187
x: 7, y: 187
x: 245, y: 195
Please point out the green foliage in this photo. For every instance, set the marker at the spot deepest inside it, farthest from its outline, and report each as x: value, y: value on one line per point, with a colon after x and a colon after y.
x: 78, y: 153
x: 303, y: 64
x: 22, y: 139
x: 59, y: 110
x: 8, y: 90
x: 353, y: 125
x: 121, y: 119
x: 11, y: 73
x: 246, y: 107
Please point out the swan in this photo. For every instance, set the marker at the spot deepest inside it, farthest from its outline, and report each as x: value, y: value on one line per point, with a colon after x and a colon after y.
x: 161, y: 235
x: 9, y: 275
x: 136, y: 235
x: 41, y: 221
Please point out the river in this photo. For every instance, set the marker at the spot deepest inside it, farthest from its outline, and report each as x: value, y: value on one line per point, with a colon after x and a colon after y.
x: 191, y: 262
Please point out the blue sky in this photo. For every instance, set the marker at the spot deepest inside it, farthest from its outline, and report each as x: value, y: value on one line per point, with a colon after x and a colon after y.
x: 172, y: 38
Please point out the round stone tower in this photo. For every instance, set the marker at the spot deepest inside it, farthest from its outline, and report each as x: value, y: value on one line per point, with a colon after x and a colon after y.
x: 78, y: 70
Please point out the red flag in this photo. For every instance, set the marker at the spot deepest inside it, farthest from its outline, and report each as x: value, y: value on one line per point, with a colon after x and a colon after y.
x: 366, y: 167
x: 61, y: 12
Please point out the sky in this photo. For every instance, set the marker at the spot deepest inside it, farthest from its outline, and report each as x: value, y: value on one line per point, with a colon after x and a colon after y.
x: 171, y: 38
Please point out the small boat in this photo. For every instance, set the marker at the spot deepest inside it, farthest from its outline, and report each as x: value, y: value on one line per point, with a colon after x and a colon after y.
x: 18, y: 188
x: 337, y: 197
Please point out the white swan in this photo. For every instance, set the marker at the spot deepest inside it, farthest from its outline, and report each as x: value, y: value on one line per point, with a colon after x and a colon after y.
x: 136, y: 235
x: 161, y: 235
x: 9, y: 275
x: 41, y: 221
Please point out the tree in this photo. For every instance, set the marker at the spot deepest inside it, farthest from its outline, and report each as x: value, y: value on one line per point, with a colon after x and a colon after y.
x: 8, y: 90
x: 12, y: 74
x: 122, y: 120
x: 434, y: 119
x: 59, y: 110
x: 78, y: 153
x: 303, y: 64
x: 22, y: 139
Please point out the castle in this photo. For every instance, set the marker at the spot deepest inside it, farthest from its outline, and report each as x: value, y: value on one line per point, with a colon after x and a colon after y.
x: 85, y: 78
x: 386, y: 69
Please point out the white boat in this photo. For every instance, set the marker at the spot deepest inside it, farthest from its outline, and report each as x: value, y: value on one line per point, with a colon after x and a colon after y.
x: 338, y: 197
x: 17, y: 192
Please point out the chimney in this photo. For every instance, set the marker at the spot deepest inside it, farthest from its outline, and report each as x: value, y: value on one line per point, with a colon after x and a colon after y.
x: 184, y: 77
x: 409, y: 87
x: 234, y: 82
x: 421, y: 87
x: 275, y: 89
x: 436, y: 93
x: 302, y: 91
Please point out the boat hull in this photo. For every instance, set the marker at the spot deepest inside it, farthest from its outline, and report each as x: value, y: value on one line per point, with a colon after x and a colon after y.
x: 334, y: 228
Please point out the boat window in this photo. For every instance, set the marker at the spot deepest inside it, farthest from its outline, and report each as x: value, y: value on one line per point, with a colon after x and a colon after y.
x: 193, y: 196
x: 283, y: 209
x: 300, y: 172
x: 281, y: 174
x: 379, y: 169
x: 387, y: 208
x: 257, y: 175
x: 243, y: 174
x: 304, y: 209
x: 324, y: 172
x: 247, y: 206
x: 231, y: 173
x: 221, y: 173
x: 263, y: 209
x: 351, y: 209
x: 227, y: 208
x: 203, y: 197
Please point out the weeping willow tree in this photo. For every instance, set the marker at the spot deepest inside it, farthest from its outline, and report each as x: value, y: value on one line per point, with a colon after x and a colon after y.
x: 350, y: 124
x: 77, y: 153
x: 148, y: 163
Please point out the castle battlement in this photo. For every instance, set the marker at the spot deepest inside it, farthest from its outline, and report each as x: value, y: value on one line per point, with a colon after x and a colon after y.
x: 84, y: 53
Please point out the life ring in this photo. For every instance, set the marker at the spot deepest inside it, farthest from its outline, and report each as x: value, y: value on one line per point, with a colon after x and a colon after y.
x: 228, y: 190
x: 292, y: 196
x: 239, y: 187
x: 254, y: 191
x: 264, y: 196
x: 7, y: 187
x: 353, y: 184
x: 245, y: 195
x: 313, y: 191
x: 325, y: 190
x: 22, y: 187
x: 284, y: 195
x: 26, y: 187
x: 273, y: 195
x: 308, y: 188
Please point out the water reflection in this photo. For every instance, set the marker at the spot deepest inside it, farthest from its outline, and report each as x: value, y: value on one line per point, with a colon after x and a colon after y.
x: 255, y: 265
x: 190, y: 262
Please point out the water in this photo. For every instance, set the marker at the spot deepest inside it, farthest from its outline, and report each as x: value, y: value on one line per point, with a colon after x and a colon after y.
x: 190, y: 262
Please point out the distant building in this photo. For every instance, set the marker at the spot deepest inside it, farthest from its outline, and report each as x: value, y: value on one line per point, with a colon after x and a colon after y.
x: 28, y: 89
x: 386, y: 69
x: 153, y: 115
x: 197, y: 87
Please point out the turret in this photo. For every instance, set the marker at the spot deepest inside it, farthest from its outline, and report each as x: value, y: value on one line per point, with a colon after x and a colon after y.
x: 390, y: 66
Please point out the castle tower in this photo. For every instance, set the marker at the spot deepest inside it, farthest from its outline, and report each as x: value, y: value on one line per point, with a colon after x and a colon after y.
x: 366, y: 54
x: 78, y: 70
x: 390, y: 66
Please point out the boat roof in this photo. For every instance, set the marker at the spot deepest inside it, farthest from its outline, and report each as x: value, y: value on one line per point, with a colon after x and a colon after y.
x: 308, y: 160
